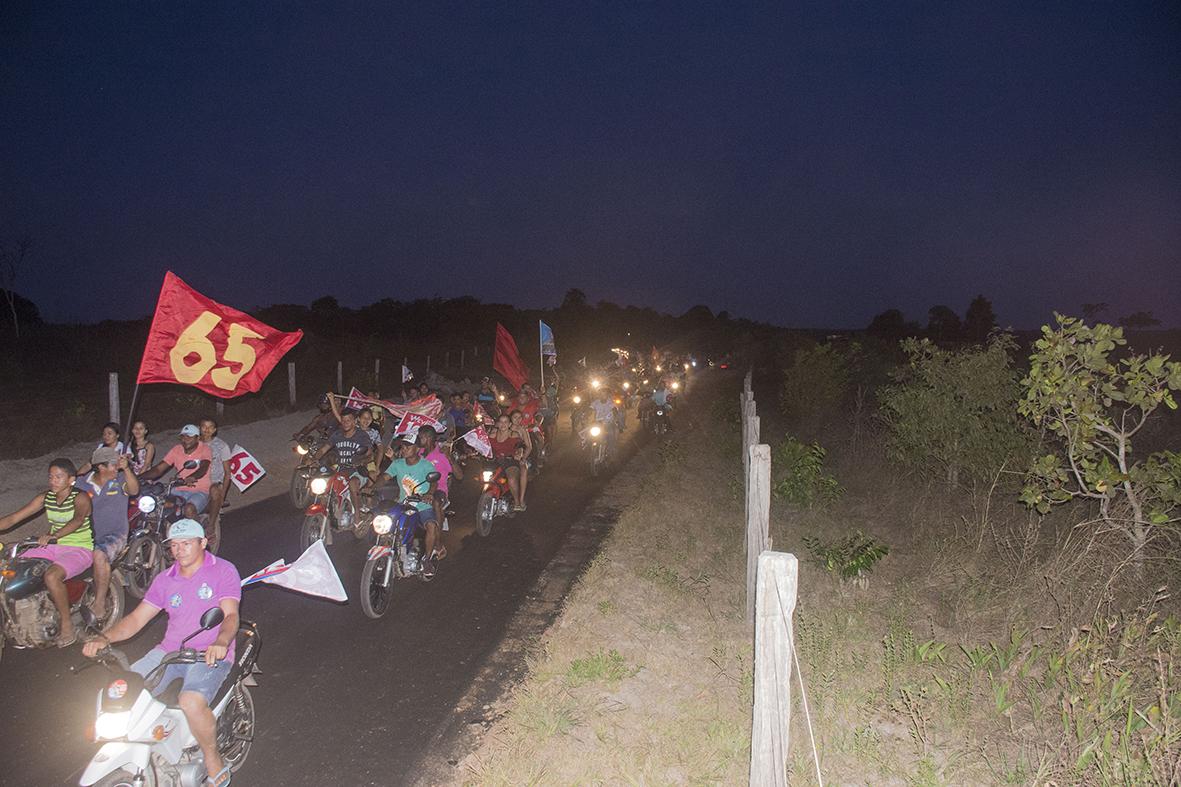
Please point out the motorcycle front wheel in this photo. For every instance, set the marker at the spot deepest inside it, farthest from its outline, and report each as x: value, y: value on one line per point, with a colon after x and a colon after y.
x: 235, y: 729
x: 375, y: 597
x: 300, y: 494
x: 485, y: 513
x: 143, y: 561
x: 315, y: 526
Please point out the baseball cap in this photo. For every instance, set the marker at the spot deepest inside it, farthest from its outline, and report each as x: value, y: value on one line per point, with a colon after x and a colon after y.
x: 190, y: 430
x: 185, y: 528
x: 104, y: 455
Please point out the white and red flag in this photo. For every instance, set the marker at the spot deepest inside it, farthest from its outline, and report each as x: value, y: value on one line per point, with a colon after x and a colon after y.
x: 411, y: 422
x: 311, y: 573
x: 478, y: 439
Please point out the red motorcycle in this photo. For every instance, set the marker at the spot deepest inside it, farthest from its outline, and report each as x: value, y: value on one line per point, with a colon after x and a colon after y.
x: 495, y: 501
x: 332, y: 509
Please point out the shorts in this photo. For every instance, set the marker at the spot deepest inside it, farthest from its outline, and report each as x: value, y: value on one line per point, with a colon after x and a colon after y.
x: 200, y: 500
x: 506, y: 462
x: 199, y: 677
x: 73, y: 560
x: 111, y: 544
x: 426, y: 515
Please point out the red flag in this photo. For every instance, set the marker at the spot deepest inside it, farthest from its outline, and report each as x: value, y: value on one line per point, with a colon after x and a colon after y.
x: 506, y: 359
x: 199, y: 342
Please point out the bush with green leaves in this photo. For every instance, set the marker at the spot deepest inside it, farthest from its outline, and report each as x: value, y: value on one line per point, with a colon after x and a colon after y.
x: 1093, y: 404
x: 850, y: 558
x: 816, y: 384
x: 952, y: 413
x: 802, y: 480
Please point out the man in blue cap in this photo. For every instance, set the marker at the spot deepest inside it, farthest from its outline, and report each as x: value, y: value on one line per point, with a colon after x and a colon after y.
x: 197, y: 581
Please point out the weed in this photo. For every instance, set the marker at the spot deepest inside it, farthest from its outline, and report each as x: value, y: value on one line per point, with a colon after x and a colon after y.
x: 850, y: 558
x: 608, y: 667
x: 606, y: 607
x: 544, y: 713
x: 804, y: 482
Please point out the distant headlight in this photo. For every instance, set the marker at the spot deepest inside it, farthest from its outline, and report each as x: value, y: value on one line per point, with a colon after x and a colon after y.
x: 146, y: 504
x: 577, y: 399
x: 318, y: 486
x: 382, y: 524
x: 112, y: 725
x: 627, y: 385
x: 595, y: 431
x: 676, y: 386
x: 686, y: 367
x: 660, y: 412
x: 595, y: 384
x: 659, y: 369
x: 487, y: 476
x: 301, y: 449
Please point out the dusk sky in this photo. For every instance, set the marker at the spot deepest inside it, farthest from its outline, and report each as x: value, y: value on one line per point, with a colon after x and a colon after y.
x: 808, y: 165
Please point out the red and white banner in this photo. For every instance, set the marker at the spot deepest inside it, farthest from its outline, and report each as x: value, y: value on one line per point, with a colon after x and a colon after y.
x: 427, y: 405
x: 411, y: 422
x: 357, y: 400
x: 478, y: 439
x: 244, y: 469
x: 199, y: 342
x: 311, y: 573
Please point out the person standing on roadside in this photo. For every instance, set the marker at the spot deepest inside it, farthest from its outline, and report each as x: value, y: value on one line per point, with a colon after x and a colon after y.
x: 110, y: 486
x: 219, y: 477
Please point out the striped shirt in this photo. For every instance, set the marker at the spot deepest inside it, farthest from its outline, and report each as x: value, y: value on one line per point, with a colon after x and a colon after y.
x: 59, y: 515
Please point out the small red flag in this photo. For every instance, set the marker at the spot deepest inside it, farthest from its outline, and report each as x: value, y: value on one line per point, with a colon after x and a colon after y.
x: 199, y: 342
x: 506, y: 359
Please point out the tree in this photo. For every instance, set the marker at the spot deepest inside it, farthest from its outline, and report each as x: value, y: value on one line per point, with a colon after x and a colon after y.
x: 1091, y: 311
x: 953, y: 412
x: 12, y: 259
x: 1139, y: 320
x: 1093, y: 405
x: 325, y: 305
x: 943, y: 324
x: 698, y: 315
x: 892, y: 325
x: 979, y: 321
x: 575, y: 299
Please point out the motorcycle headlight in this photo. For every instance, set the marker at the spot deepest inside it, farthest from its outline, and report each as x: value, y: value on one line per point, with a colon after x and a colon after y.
x: 382, y: 524
x: 487, y: 476
x: 660, y: 412
x: 596, y: 430
x: 301, y: 449
x: 659, y: 369
x: 626, y: 385
x: 109, y: 726
x: 595, y: 384
x: 676, y: 386
x: 318, y: 486
x: 577, y: 399
x: 146, y: 504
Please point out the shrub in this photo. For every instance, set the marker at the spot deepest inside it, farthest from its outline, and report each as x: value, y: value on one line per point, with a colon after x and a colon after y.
x: 816, y: 384
x: 804, y: 482
x: 850, y: 558
x: 953, y: 412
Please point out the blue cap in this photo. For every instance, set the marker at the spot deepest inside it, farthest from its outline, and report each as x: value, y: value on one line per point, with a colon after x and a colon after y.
x: 185, y: 528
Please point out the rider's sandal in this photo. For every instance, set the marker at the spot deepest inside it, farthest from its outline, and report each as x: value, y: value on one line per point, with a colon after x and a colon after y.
x: 215, y: 780
x: 62, y: 642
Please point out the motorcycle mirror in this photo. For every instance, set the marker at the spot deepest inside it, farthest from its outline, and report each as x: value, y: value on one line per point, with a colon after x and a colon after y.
x: 189, y: 465
x: 212, y: 617
x: 432, y: 477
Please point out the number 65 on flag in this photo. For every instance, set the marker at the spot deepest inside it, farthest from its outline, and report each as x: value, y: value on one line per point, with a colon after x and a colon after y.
x: 199, y: 342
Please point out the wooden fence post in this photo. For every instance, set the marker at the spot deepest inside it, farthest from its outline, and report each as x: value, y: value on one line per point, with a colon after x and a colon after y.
x: 340, y: 375
x: 778, y: 575
x: 377, y: 373
x: 462, y: 354
x: 291, y: 382
x: 113, y: 398
x: 428, y: 362
x: 447, y: 360
x: 758, y: 517
x: 220, y: 409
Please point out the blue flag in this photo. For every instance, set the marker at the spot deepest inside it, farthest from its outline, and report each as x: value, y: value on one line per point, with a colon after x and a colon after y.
x: 547, y: 340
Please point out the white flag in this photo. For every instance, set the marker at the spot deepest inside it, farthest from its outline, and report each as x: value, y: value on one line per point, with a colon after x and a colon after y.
x: 311, y: 573
x: 244, y: 468
x: 407, y: 375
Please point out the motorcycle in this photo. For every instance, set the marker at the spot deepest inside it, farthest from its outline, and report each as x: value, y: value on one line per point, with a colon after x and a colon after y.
x: 594, y: 444
x: 28, y: 617
x: 397, y: 553
x: 579, y: 410
x: 332, y: 509
x: 496, y: 500
x: 660, y: 419
x: 146, y: 740
x: 301, y: 476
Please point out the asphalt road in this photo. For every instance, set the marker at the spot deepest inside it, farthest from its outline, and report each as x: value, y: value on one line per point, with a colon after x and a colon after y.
x: 342, y: 699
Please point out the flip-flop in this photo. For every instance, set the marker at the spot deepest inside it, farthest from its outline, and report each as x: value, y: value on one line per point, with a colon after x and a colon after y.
x: 65, y: 643
x: 213, y: 781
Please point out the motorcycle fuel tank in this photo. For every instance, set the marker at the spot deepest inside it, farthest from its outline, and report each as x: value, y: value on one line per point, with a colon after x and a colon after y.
x: 27, y: 577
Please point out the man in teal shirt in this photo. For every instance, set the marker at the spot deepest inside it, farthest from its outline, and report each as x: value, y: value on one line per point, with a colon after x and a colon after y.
x: 409, y: 471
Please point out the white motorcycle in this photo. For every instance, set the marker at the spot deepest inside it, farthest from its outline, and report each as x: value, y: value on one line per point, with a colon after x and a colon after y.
x: 146, y: 740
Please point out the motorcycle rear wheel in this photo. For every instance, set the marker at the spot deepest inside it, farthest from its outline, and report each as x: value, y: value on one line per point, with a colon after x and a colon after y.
x: 143, y: 561
x: 116, y: 602
x: 375, y: 598
x: 315, y: 527
x: 235, y: 730
x: 485, y: 513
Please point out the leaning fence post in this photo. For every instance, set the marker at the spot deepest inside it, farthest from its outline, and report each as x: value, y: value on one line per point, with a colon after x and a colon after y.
x: 291, y: 382
x: 113, y: 397
x: 340, y: 375
x: 778, y: 575
x: 758, y: 517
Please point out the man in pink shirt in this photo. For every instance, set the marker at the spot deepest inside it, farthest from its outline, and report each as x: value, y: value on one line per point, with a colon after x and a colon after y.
x: 428, y: 447
x: 194, y: 488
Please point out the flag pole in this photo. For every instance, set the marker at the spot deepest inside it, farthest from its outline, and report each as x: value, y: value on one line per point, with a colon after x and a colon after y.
x: 541, y: 354
x: 126, y: 436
